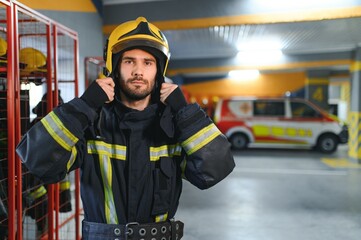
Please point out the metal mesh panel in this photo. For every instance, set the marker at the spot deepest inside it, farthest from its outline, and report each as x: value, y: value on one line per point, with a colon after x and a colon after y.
x: 3, y: 127
x: 33, y: 78
x: 44, y: 75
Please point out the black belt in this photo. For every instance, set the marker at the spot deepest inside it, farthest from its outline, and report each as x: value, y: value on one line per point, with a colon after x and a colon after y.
x: 169, y: 230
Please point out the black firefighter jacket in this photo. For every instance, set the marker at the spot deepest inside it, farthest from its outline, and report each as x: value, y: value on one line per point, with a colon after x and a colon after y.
x: 131, y: 170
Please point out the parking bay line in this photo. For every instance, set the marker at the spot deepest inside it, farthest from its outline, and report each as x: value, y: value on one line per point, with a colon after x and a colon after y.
x: 340, y: 163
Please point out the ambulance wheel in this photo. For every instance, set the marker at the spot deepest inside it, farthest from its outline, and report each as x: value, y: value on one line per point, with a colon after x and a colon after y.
x: 327, y: 143
x: 239, y: 141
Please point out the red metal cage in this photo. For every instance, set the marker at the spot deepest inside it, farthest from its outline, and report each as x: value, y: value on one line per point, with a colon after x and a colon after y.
x: 38, y: 71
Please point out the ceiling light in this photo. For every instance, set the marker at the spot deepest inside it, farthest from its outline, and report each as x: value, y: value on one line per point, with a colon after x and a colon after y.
x: 265, y: 44
x: 259, y: 55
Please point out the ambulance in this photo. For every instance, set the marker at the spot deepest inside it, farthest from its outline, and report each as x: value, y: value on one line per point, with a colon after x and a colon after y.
x: 279, y: 123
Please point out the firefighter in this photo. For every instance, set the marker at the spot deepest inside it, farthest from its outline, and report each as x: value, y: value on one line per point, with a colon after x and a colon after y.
x: 134, y: 137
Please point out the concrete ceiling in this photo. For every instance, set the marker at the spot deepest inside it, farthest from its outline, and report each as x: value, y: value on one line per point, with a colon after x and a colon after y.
x: 213, y: 37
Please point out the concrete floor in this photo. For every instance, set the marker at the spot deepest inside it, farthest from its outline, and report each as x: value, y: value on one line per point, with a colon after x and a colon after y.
x: 278, y: 195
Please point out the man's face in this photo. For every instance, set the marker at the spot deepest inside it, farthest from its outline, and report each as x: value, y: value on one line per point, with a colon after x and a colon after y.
x: 138, y: 70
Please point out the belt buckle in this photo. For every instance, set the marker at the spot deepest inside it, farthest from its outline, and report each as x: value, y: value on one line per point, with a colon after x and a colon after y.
x: 127, y: 232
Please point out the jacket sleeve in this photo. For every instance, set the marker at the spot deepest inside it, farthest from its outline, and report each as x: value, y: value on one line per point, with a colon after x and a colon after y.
x: 208, y: 155
x: 55, y: 145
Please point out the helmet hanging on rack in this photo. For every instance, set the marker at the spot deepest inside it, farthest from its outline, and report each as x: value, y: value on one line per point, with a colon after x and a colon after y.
x: 32, y: 61
x: 3, y: 52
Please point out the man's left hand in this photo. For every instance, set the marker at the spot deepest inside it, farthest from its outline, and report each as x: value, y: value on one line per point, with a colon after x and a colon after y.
x: 166, y: 90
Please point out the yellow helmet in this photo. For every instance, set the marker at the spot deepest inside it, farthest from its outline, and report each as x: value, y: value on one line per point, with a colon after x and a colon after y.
x: 3, y: 53
x: 133, y: 34
x: 31, y: 61
x: 3, y: 47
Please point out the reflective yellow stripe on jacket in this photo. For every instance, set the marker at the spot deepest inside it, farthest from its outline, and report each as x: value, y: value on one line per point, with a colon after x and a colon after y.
x: 61, y: 135
x: 39, y: 192
x: 110, y: 150
x: 164, y: 151
x: 161, y: 218
x: 107, y: 151
x: 72, y: 158
x: 201, y: 138
x: 64, y: 185
x: 58, y: 131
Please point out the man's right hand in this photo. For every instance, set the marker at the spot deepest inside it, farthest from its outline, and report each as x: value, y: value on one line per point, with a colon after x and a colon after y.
x: 107, y: 84
x: 99, y: 92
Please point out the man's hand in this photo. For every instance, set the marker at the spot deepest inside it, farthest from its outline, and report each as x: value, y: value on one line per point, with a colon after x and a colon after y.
x: 165, y: 90
x: 107, y: 84
x: 172, y: 95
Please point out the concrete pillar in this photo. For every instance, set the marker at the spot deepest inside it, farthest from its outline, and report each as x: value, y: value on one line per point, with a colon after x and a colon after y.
x: 355, y: 108
x: 316, y: 88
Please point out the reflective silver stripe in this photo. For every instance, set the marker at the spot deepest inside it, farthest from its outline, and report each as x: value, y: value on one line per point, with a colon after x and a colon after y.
x: 105, y: 152
x: 164, y: 151
x: 201, y: 138
x: 161, y: 218
x: 110, y: 150
x: 72, y: 158
x: 58, y: 131
x: 107, y: 174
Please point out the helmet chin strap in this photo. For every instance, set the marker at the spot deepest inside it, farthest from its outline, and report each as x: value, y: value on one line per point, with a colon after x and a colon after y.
x: 159, y: 79
x: 116, y: 78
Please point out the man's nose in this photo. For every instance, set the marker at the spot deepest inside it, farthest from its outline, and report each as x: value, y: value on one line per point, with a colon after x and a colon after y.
x: 138, y: 70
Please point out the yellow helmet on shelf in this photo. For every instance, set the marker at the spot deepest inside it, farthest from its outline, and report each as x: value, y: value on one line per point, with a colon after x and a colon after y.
x: 133, y: 34
x: 31, y: 61
x: 3, y: 47
x: 3, y: 56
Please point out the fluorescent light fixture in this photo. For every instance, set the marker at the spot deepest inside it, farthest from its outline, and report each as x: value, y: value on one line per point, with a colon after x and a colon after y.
x: 116, y: 2
x: 259, y: 50
x: 265, y: 44
x: 259, y: 55
x: 250, y: 74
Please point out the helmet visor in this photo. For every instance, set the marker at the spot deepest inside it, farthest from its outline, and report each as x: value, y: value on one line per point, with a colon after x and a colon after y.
x: 133, y: 43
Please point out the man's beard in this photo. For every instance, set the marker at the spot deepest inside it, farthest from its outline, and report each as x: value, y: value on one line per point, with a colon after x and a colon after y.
x: 136, y: 93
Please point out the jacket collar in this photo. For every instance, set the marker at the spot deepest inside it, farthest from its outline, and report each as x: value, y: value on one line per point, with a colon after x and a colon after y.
x: 157, y: 110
